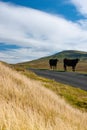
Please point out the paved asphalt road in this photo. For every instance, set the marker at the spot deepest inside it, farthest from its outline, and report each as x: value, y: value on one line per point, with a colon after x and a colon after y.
x: 71, y: 78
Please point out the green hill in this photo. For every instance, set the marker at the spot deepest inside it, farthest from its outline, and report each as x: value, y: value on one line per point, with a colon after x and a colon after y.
x: 71, y: 54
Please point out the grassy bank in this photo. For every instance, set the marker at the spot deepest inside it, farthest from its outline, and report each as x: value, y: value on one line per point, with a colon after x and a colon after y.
x: 25, y: 104
x: 74, y: 96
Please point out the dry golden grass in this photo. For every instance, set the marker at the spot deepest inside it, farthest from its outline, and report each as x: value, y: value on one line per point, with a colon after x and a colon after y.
x: 26, y: 104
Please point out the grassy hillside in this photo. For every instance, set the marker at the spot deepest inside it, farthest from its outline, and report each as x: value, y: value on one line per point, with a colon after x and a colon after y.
x: 43, y: 63
x: 71, y: 54
x: 25, y: 104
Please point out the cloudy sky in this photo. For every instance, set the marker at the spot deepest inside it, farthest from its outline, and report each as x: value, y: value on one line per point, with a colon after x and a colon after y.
x: 30, y: 29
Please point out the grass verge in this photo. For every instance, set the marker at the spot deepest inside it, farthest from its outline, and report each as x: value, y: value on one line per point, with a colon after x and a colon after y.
x: 74, y: 96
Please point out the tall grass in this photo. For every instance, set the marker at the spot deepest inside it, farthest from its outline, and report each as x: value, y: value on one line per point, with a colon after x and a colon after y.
x: 25, y: 104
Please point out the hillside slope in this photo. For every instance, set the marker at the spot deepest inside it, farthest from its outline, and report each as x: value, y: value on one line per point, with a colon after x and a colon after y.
x: 26, y: 105
x: 71, y: 54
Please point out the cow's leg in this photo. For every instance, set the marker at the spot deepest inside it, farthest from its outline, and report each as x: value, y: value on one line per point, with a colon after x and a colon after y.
x: 50, y: 67
x: 73, y: 68
x: 65, y: 68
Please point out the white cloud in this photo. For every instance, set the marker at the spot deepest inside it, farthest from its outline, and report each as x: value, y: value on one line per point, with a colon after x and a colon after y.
x: 21, y: 55
x: 37, y: 33
x: 81, y: 6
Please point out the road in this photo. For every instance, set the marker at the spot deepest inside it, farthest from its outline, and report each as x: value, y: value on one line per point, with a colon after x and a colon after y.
x: 70, y: 78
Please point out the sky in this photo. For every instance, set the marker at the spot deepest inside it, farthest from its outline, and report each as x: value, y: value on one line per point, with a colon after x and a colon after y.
x: 31, y: 29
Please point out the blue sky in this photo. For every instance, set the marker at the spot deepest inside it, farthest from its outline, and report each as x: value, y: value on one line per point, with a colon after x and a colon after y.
x: 30, y: 29
x: 59, y: 7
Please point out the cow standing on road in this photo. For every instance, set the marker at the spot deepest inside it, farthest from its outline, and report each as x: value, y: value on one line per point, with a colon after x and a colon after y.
x: 53, y: 63
x: 70, y: 62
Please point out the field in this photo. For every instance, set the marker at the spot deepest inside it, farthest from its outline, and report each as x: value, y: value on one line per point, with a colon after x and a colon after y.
x: 44, y: 64
x: 26, y: 103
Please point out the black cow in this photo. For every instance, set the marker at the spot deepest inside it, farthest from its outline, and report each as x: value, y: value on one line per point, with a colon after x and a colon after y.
x: 70, y: 62
x: 53, y: 63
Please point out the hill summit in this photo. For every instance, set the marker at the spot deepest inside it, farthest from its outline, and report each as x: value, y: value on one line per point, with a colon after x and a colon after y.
x: 70, y: 54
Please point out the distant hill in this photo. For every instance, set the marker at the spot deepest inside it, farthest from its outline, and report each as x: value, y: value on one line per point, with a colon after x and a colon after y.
x: 71, y: 54
x: 43, y: 63
x: 65, y: 54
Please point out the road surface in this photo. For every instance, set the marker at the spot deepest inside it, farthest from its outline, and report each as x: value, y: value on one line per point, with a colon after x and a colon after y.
x: 70, y: 78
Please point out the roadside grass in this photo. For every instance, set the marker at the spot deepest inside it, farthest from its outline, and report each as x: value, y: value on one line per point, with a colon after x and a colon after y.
x: 74, y: 96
